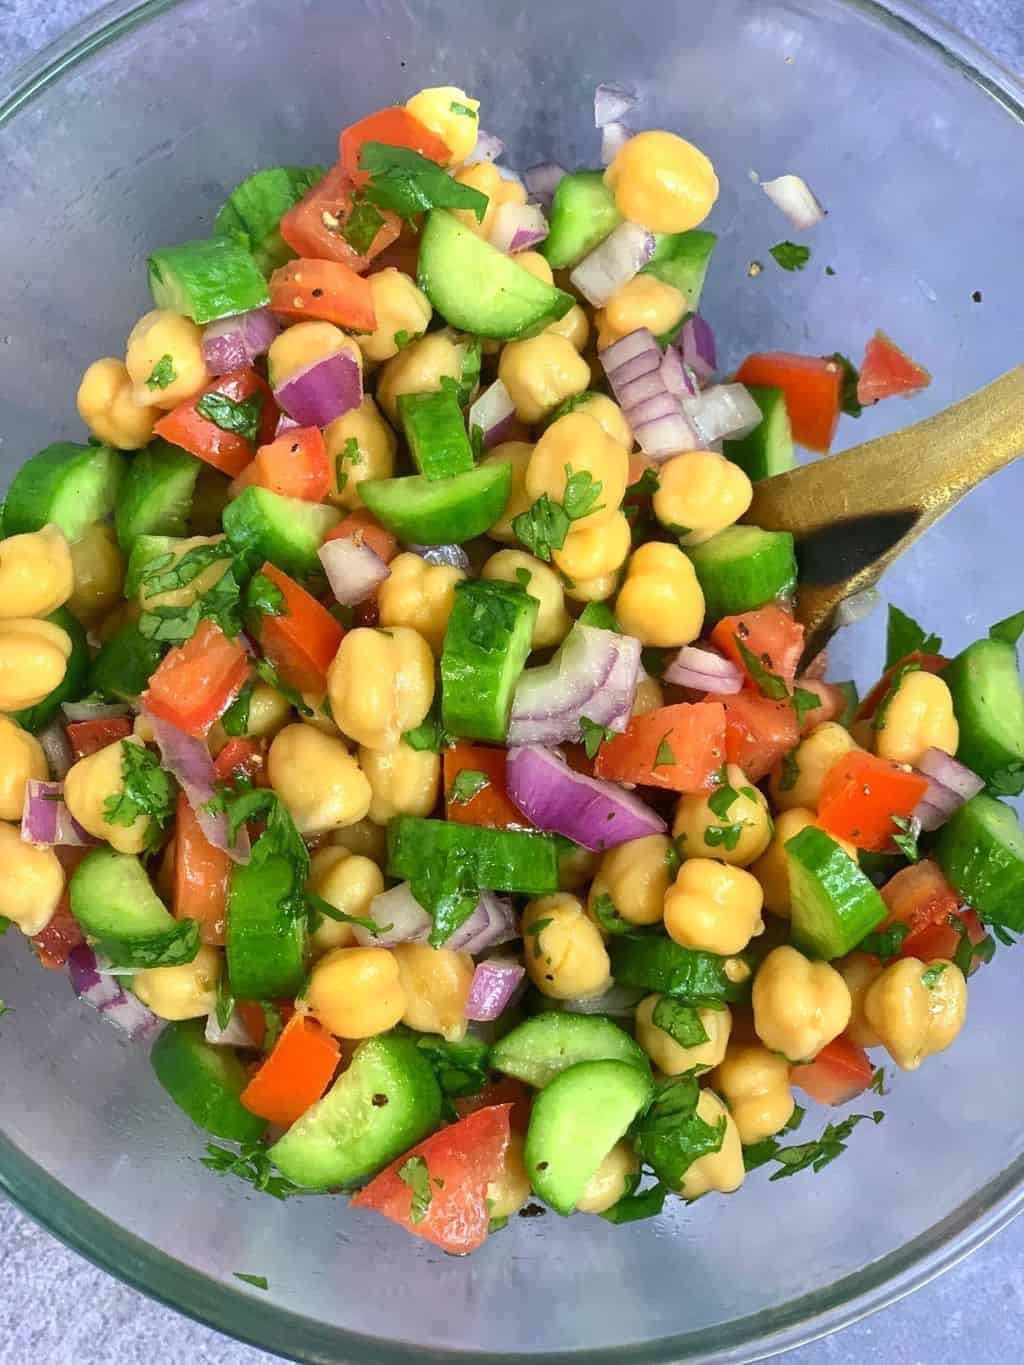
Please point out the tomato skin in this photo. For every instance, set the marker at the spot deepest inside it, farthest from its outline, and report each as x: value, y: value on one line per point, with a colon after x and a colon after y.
x: 860, y: 796
x: 769, y: 633
x: 89, y: 736
x: 929, y: 663
x: 491, y: 806
x: 920, y: 897
x: 295, y: 1074
x: 294, y: 465
x: 227, y: 451
x: 202, y: 874
x: 329, y: 291
x: 364, y: 528
x: 314, y: 227
x: 505, y: 1091
x: 840, y: 1072
x: 240, y: 757
x: 887, y: 371
x: 301, y: 643
x: 395, y: 126
x: 196, y: 682
x: 695, y: 733
x: 942, y: 940
x: 758, y: 731
x: 813, y: 389
x: 55, y: 943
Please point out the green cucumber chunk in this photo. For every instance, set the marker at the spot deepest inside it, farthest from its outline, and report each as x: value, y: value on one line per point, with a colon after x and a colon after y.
x: 486, y: 646
x: 659, y: 964
x: 125, y: 664
x: 440, y: 511
x: 113, y: 900
x: 205, y: 1081
x: 681, y: 259
x: 981, y: 851
x: 66, y: 484
x: 479, y: 289
x: 436, y: 433
x: 215, y: 277
x: 832, y: 903
x: 385, y: 1102
x: 575, y: 1122
x: 582, y: 215
x: 262, y: 525
x: 742, y: 568
x: 71, y: 686
x: 541, y: 1048
x: 989, y: 706
x: 266, y: 940
x: 155, y: 498
x: 257, y: 205
x: 768, y: 449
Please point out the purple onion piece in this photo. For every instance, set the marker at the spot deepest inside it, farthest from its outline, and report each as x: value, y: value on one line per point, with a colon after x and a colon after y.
x: 189, y: 762
x: 235, y: 342
x: 697, y: 345
x: 542, y: 180
x: 105, y: 994
x: 353, y: 569
x: 611, y: 101
x: 495, y: 985
x: 320, y: 392
x: 596, y: 814
x: 594, y: 673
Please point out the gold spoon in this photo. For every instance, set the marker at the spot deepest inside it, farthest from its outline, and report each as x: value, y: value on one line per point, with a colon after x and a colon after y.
x: 852, y: 514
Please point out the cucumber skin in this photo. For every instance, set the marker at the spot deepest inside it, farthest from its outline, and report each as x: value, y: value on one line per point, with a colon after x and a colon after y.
x: 818, y: 868
x: 403, y: 505
x: 155, y: 497
x: 981, y: 679
x: 210, y: 278
x: 768, y: 450
x: 264, y: 943
x: 659, y: 964
x: 681, y: 259
x: 125, y: 664
x: 566, y: 244
x: 71, y: 686
x: 39, y: 485
x: 181, y: 1056
x: 106, y: 887
x: 730, y: 588
x: 262, y: 525
x: 477, y: 683
x: 417, y: 848
x: 985, y: 873
x: 541, y: 1048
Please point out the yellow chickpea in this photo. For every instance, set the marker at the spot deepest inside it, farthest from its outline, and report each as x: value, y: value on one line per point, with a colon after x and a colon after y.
x: 552, y: 622
x: 33, y: 660
x: 645, y: 301
x: 305, y: 343
x: 371, y: 457
x: 399, y: 307
x: 671, y: 1057
x: 578, y: 443
x: 381, y: 684
x: 661, y: 601
x: 21, y: 761
x: 349, y: 882
x: 269, y: 711
x: 636, y: 875
x: 576, y: 867
x: 610, y: 1181
x: 703, y: 493
x: 574, y: 326
x: 31, y: 882
x: 419, y: 595
x: 919, y: 717
x: 860, y: 971
x: 813, y: 757
x: 799, y: 1006
x: 755, y: 1084
x: 357, y: 992
x: 187, y: 991
x: 916, y: 1008
x: 419, y: 368
x: 536, y: 265
x: 317, y: 779
x: 436, y: 983
x: 540, y: 373
x: 365, y: 838
x: 598, y: 589
x: 595, y: 551
x: 203, y: 581
x: 608, y: 415
x: 662, y: 181
x: 107, y: 405
x: 649, y: 695
x: 164, y: 359
x: 508, y: 1193
x: 772, y: 869
x: 451, y: 114
x: 403, y: 781
x: 516, y: 454
x: 90, y: 783
x: 98, y: 568
x: 565, y: 956
x: 745, y: 824
x: 36, y: 573
x: 713, y: 907
x: 485, y: 177
x: 722, y: 1170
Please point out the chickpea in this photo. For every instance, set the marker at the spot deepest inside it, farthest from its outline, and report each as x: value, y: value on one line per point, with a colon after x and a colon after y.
x: 722, y: 1170
x: 347, y: 881
x: 451, y: 114
x: 381, y: 684
x: 662, y: 181
x: 799, y: 1006
x: 649, y: 695
x: 916, y: 1008
x: 372, y: 456
x: 268, y: 711
x: 33, y: 660
x: 595, y: 551
x: 747, y: 811
x: 609, y: 416
x: 317, y: 779
x: 860, y: 971
x: 813, y: 757
x: 203, y: 581
x: 598, y: 589
x: 701, y: 493
x: 552, y: 622
x: 755, y: 1084
x: 565, y: 956
x: 576, y: 867
x: 509, y: 1192
x: 90, y: 783
x: 516, y: 454
x: 317, y: 714
x: 187, y: 991
x: 36, y: 574
x: 21, y: 760
x: 419, y: 595
x: 919, y: 717
x: 540, y: 373
x: 357, y: 992
x: 436, y: 982
x: 107, y: 405
x: 536, y: 265
x: 636, y: 876
x: 400, y: 307
x: 573, y: 326
x: 31, y: 882
x: 661, y: 601
x: 485, y: 177
x: 419, y: 368
x: 578, y: 443
x: 645, y: 301
x: 98, y: 568
x: 772, y: 869
x: 713, y: 907
x: 671, y: 1057
x: 403, y: 781
x: 365, y: 838
x: 610, y: 1181
x: 164, y: 345
x: 303, y: 344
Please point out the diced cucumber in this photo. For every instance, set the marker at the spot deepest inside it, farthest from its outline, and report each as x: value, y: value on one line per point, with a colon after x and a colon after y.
x: 125, y: 664
x: 576, y: 1121
x: 486, y: 647
x: 266, y: 940
x: 215, y: 277
x: 768, y: 450
x: 384, y: 1103
x: 442, y: 511
x: 67, y: 484
x: 681, y: 259
x: 742, y: 568
x: 583, y: 213
x: 981, y: 851
x: 479, y: 289
x: 832, y: 903
x: 155, y: 497
x: 541, y: 1048
x: 72, y: 685
x: 113, y: 900
x: 262, y: 525
x: 989, y: 705
x: 659, y: 964
x: 257, y: 205
x: 205, y: 1081
x: 436, y: 432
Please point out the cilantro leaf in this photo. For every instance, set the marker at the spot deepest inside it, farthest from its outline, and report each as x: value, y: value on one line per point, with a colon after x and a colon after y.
x: 163, y: 373
x: 146, y: 790
x: 637, y: 1204
x: 768, y: 684
x: 967, y: 953
x: 430, y: 735
x: 402, y: 180
x: 5, y: 924
x: 269, y: 674
x: 542, y: 527
x: 724, y: 836
x: 607, y: 915
x: 225, y: 1000
x: 403, y: 338
x: 904, y: 636
x: 581, y: 494
x: 1008, y: 630
x: 804, y: 1156
x: 886, y: 943
x: 664, y: 757
x: 878, y: 1084
x: 317, y: 909
x: 535, y: 930
x: 349, y: 452
x: 804, y: 700
x: 235, y: 719
x: 476, y: 441
x: 721, y: 800
x: 680, y: 1021
x: 906, y: 840
x: 414, y: 1173
x: 931, y: 976
x: 594, y: 735
x: 882, y: 709
x: 645, y: 487
x: 251, y: 1164
x: 493, y: 614
x: 460, y: 1068
x: 670, y: 1136
x: 463, y: 109
x: 166, y: 574
x: 790, y: 255
x: 362, y: 225
x: 241, y: 417
x: 259, y: 1281
x: 848, y: 400
x: 790, y: 774
x: 263, y: 595
x: 469, y: 782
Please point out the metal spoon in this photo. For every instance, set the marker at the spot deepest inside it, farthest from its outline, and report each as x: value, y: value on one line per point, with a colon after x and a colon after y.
x: 852, y: 514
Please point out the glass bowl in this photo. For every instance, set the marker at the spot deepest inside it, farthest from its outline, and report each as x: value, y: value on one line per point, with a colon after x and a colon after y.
x: 128, y: 135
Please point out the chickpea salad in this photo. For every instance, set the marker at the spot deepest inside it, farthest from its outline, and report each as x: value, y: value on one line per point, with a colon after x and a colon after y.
x: 404, y: 736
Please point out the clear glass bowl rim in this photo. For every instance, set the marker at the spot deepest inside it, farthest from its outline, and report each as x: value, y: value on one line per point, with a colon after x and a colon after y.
x: 271, y: 1328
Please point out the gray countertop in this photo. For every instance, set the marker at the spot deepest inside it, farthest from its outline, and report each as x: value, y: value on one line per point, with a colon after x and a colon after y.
x: 57, y: 1309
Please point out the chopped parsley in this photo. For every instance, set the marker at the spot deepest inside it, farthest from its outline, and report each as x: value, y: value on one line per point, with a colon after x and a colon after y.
x: 269, y: 674
x: 645, y: 487
x: 252, y: 1164
x: 460, y: 1068
x: 469, y: 782
x: 351, y: 453
x: 463, y: 109
x: 581, y: 493
x: 318, y: 909
x: 768, y: 684
x: 904, y: 636
x: 607, y: 915
x: 882, y: 709
x: 163, y: 373
x: 848, y: 400
x: 636, y: 1204
x: 225, y: 1001
x: 804, y: 700
x: 670, y: 1136
x: 476, y: 441
x: 878, y: 1084
x: 430, y: 735
x: 258, y: 1281
x: 544, y: 526
x: 146, y: 790
x: 931, y: 976
x: 221, y: 603
x: 407, y: 183
x: 414, y: 1173
x: 967, y: 953
x: 594, y: 735
x: 790, y: 255
x: 240, y: 417
x: 493, y: 614
x: 362, y: 225
x: 403, y: 338
x: 886, y: 943
x: 804, y: 1156
x: 167, y: 574
x: 790, y: 774
x: 664, y: 757
x: 263, y: 595
x: 724, y: 836
x: 535, y: 930
x: 680, y: 1021
x: 906, y: 840
x: 721, y: 799
x: 235, y: 719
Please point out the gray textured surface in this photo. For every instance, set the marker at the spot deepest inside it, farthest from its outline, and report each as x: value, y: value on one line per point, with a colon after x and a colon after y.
x: 56, y: 1309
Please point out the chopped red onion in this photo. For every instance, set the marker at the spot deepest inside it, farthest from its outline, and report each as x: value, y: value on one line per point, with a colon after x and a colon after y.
x: 613, y: 263
x: 614, y: 137
x: 353, y: 570
x: 94, y: 710
x: 704, y: 670
x: 488, y: 148
x: 54, y: 742
x: 400, y: 919
x: 46, y: 820
x: 122, y: 1009
x: 635, y: 368
x: 697, y: 345
x: 611, y: 101
x: 725, y: 411
x: 796, y: 200
x: 234, y: 343
x: 451, y: 556
x: 950, y: 785
x: 856, y: 608
x: 234, y: 1034
x: 594, y: 673
x: 596, y: 814
x: 677, y: 376
x: 542, y: 180
x: 517, y: 227
x: 285, y: 423
x: 322, y: 391
x: 630, y: 347
x: 491, y: 923
x: 188, y: 760
x: 494, y: 413
x: 495, y: 984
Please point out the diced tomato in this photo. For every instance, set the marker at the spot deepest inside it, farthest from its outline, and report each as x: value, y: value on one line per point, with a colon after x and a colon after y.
x: 365, y: 530
x: 769, y: 633
x: 240, y: 758
x: 395, y: 126
x: 196, y: 682
x: 860, y: 796
x: 942, y: 940
x: 61, y: 936
x: 886, y: 371
x: 929, y: 663
x: 758, y: 731
x: 303, y: 641
x: 89, y: 736
x: 403, y: 256
x: 326, y: 290
x: 840, y: 1072
x: 294, y: 465
x: 315, y: 226
x: 506, y: 1091
x: 832, y: 701
x: 253, y: 1016
x: 295, y: 1074
x: 202, y: 874
x: 457, y: 1165
x: 920, y: 897
x: 491, y: 806
x: 812, y: 386
x: 228, y: 451
x: 693, y: 736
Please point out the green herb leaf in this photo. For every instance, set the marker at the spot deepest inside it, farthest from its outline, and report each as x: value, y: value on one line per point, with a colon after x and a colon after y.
x: 848, y: 400
x: 671, y: 1135
x: 882, y: 709
x: 906, y: 841
x: 269, y: 674
x: 476, y: 441
x: 350, y: 453
x: 163, y: 373
x: 804, y: 1156
x: 259, y: 1281
x: 147, y: 790
x: 581, y: 494
x: 904, y: 636
x: 362, y: 225
x: 967, y: 953
x: 403, y: 338
x: 680, y: 1021
x: 542, y: 527
x: 430, y: 735
x: 252, y: 1164
x: 664, y: 757
x: 878, y: 1084
x: 462, y: 109
x: 1008, y: 630
x: 724, y: 836
x: 721, y: 800
x: 469, y: 782
x: 1007, y: 781
x: 414, y: 1173
x: 804, y: 700
x: 607, y: 915
x: 535, y: 930
x: 790, y: 255
x: 790, y: 774
x: 166, y: 574
x: 594, y: 735
x: 225, y: 1000
x: 408, y: 183
x: 493, y: 615
x: 317, y: 909
x: 645, y: 487
x: 235, y: 719
x: 242, y: 417
x: 886, y: 943
x: 768, y: 684
x: 461, y: 1068
x: 931, y: 976
x: 5, y: 924
x: 635, y: 1205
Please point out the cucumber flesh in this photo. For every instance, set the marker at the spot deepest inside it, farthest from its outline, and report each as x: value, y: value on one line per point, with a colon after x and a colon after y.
x: 541, y: 1048
x: 681, y: 259
x: 832, y: 903
x: 583, y: 213
x: 262, y: 525
x: 989, y: 706
x: 66, y: 484
x: 155, y: 497
x: 71, y: 686
x: 435, y: 431
x: 743, y: 568
x: 114, y: 902
x: 205, y: 1081
x: 768, y: 449
x: 439, y: 511
x: 981, y: 851
x: 659, y: 964
x: 486, y: 646
x: 214, y: 277
x: 257, y: 205
x: 265, y: 939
